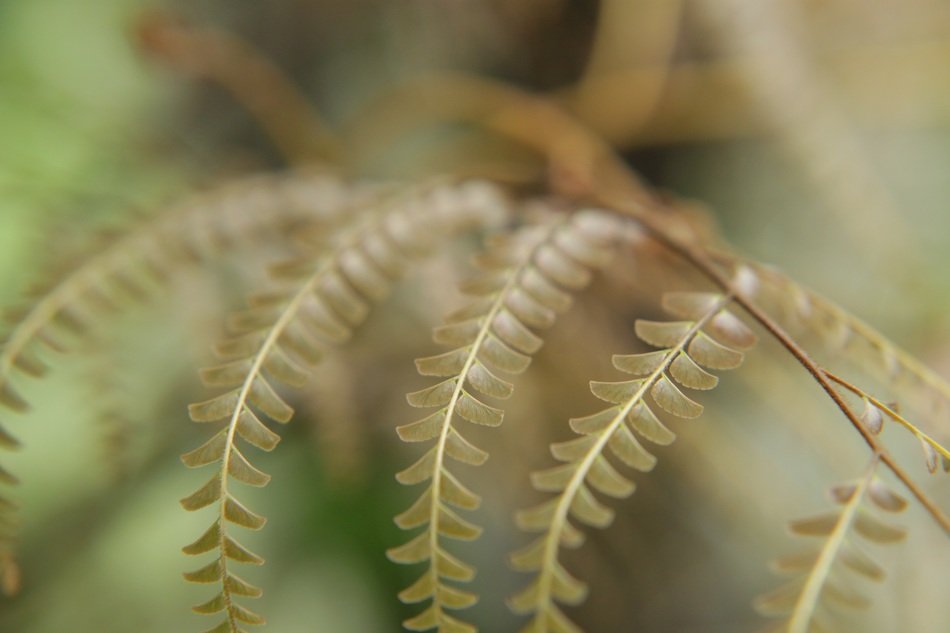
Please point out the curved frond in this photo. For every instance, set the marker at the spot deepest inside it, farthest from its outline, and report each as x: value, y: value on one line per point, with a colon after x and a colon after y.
x: 823, y: 579
x: 321, y: 300
x: 527, y: 280
x: 708, y: 337
x: 126, y: 267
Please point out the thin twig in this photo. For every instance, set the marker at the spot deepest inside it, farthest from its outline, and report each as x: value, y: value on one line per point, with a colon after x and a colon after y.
x: 889, y: 412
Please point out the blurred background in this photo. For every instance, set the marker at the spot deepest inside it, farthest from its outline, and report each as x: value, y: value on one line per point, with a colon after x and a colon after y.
x: 814, y: 134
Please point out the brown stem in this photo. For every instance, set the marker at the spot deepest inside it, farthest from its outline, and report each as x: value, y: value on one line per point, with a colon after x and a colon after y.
x: 702, y: 263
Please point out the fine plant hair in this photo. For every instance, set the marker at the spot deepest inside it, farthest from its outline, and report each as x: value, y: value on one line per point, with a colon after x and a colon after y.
x: 337, y: 251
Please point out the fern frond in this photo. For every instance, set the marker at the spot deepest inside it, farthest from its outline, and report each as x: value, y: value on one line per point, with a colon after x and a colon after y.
x: 284, y: 332
x: 826, y: 573
x: 843, y: 332
x: 711, y: 337
x: 527, y: 281
x: 125, y: 268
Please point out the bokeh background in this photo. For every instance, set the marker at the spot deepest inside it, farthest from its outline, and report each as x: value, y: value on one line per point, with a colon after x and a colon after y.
x: 816, y: 135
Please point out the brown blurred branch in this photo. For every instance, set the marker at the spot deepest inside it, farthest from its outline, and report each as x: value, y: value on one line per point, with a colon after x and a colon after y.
x: 292, y: 124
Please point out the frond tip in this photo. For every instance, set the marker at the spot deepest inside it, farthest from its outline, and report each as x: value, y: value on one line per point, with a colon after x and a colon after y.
x: 527, y: 281
x: 823, y: 578
x: 709, y: 337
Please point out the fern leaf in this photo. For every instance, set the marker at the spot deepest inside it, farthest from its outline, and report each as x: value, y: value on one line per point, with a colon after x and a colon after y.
x: 823, y: 576
x: 274, y: 342
x: 587, y: 470
x: 527, y: 280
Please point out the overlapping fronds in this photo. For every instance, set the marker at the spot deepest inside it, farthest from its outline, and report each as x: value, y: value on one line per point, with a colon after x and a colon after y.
x: 124, y: 269
x: 321, y: 299
x: 527, y: 279
x: 824, y: 579
x: 709, y: 337
x: 842, y: 332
